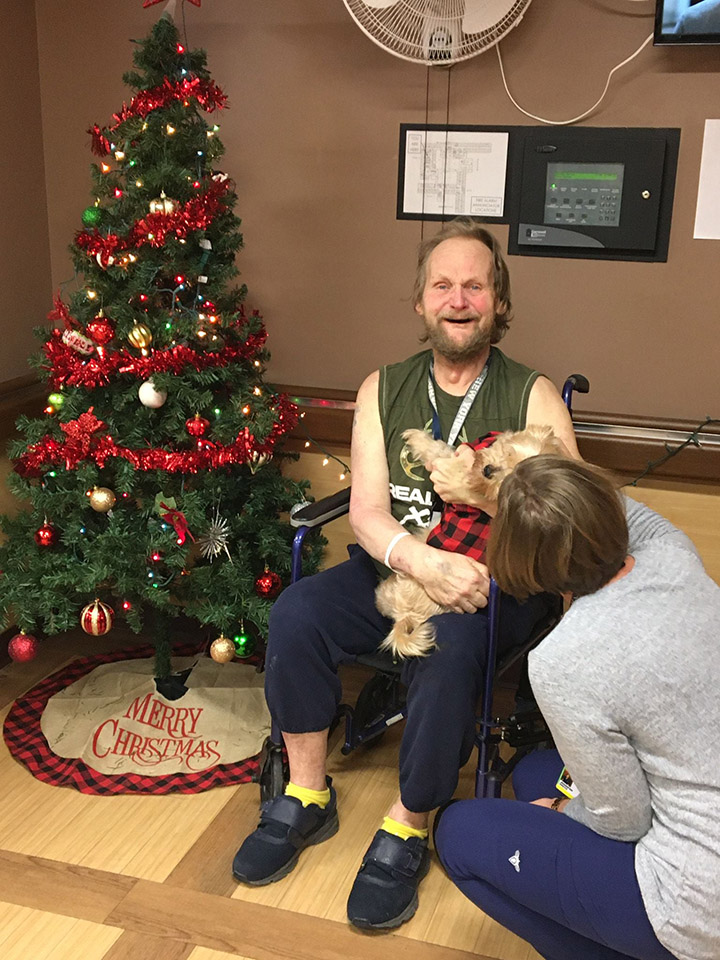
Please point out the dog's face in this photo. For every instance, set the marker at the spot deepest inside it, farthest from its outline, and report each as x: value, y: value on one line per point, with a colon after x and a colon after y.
x: 492, y: 464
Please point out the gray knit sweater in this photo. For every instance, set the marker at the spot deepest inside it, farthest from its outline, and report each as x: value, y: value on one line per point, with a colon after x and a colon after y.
x: 629, y: 683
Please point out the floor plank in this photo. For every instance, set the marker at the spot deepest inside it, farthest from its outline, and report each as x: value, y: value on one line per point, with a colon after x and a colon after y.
x: 27, y: 934
x: 202, y: 953
x: 206, y: 866
x: 61, y: 888
x: 260, y: 932
x: 135, y: 946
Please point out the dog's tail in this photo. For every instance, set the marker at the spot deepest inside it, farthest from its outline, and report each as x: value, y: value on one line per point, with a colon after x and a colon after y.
x: 408, y: 638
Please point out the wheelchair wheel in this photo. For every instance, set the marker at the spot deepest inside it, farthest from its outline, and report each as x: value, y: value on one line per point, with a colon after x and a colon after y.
x: 376, y: 699
x: 274, y: 772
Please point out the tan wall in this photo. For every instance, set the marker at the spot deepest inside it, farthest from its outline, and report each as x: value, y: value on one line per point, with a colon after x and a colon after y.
x: 24, y: 249
x: 312, y: 139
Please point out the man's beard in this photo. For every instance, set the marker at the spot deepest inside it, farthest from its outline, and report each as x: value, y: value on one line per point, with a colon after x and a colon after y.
x: 439, y: 340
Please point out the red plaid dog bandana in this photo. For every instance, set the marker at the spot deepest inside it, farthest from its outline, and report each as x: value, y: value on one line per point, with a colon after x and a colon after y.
x: 462, y: 528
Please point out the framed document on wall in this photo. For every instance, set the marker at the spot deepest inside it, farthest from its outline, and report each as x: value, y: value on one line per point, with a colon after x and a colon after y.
x: 451, y: 171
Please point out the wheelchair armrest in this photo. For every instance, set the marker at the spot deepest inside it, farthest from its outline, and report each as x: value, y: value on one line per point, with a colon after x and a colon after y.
x: 322, y: 511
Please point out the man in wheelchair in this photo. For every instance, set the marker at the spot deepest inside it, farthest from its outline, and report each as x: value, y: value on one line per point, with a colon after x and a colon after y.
x: 460, y: 389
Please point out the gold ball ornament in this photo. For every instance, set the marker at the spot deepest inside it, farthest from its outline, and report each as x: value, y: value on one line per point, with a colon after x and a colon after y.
x: 102, y: 499
x: 222, y: 650
x: 162, y: 204
x: 140, y: 336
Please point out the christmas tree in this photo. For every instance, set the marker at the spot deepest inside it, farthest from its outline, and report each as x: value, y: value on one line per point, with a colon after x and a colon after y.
x: 152, y: 480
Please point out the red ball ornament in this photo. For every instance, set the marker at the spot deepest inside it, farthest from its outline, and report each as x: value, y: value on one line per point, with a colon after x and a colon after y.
x: 46, y: 536
x: 97, y: 619
x: 268, y: 584
x: 23, y: 647
x: 101, y: 330
x: 197, y: 425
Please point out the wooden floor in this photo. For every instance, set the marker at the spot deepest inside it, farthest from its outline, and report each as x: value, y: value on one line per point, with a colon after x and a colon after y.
x: 148, y: 878
x: 129, y: 877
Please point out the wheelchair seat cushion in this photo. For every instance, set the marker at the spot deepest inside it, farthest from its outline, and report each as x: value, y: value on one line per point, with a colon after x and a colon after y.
x: 384, y: 894
x: 286, y: 827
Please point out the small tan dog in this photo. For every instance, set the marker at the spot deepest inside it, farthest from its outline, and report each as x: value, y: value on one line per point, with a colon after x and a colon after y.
x: 401, y: 598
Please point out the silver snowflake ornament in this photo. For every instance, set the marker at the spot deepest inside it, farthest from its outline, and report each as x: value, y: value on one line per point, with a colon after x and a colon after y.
x: 215, y: 539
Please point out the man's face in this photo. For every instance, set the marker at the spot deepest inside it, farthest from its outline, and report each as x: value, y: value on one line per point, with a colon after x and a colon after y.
x: 458, y: 303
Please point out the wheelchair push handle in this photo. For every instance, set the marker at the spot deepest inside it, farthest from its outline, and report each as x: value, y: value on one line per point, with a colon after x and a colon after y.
x: 575, y: 382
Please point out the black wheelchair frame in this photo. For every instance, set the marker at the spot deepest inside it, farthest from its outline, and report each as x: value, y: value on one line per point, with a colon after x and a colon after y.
x: 381, y: 702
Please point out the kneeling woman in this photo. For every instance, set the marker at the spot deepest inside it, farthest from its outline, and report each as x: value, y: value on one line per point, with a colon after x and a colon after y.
x: 628, y: 684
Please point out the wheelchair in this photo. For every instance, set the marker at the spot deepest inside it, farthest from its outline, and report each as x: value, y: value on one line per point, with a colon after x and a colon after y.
x: 381, y: 702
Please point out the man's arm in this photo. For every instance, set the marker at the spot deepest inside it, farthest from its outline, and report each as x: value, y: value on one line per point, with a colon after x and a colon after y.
x: 453, y: 580
x: 547, y: 408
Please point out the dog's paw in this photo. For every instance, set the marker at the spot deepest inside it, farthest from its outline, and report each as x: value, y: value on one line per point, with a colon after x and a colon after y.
x: 423, y: 447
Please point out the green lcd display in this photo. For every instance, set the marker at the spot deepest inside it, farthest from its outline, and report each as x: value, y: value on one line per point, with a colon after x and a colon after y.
x: 583, y: 194
x: 584, y: 175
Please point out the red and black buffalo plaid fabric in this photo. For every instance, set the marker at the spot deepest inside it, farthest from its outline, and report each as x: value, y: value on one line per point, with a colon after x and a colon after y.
x: 464, y: 529
x: 26, y: 742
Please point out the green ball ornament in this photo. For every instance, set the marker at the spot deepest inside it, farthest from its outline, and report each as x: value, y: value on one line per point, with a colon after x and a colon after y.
x: 245, y: 640
x: 91, y: 216
x: 56, y: 399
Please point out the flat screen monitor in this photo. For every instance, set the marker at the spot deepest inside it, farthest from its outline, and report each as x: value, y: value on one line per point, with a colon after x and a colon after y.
x: 687, y: 21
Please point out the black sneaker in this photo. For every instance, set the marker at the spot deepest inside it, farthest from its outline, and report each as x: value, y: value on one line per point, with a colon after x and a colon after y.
x: 286, y: 827
x: 384, y: 894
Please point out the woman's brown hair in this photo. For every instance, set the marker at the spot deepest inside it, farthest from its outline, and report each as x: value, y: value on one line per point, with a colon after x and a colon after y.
x: 560, y: 528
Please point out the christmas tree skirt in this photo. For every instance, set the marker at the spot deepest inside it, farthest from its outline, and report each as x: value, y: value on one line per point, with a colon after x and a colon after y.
x: 100, y: 725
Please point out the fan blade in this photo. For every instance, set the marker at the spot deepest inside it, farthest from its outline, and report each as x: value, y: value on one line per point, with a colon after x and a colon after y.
x: 380, y: 4
x: 483, y: 15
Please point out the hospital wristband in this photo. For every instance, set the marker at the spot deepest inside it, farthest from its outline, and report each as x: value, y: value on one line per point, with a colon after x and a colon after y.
x: 391, y: 545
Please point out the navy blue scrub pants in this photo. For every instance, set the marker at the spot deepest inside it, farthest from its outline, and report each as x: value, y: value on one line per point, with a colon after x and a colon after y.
x: 562, y: 887
x: 330, y: 618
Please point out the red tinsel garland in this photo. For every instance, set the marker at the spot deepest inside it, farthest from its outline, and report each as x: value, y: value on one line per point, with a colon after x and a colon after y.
x: 69, y: 368
x: 207, y: 94
x: 100, y: 144
x: 60, y: 313
x: 197, y: 214
x: 85, y: 443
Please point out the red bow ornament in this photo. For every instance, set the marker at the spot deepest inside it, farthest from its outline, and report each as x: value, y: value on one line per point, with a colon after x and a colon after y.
x: 178, y: 521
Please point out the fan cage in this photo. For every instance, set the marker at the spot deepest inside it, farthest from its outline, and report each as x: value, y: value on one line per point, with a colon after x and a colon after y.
x: 430, y: 31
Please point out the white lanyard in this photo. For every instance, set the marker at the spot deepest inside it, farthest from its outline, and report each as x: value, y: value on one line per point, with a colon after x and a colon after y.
x: 464, y: 408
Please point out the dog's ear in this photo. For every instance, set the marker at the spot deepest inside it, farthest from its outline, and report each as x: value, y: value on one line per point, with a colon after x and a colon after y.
x: 540, y: 432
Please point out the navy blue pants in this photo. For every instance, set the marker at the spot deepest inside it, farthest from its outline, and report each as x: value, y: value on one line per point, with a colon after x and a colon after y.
x: 330, y: 618
x: 562, y: 887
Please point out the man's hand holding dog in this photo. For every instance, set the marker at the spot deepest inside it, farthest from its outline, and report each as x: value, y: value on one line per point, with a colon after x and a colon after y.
x: 454, y: 580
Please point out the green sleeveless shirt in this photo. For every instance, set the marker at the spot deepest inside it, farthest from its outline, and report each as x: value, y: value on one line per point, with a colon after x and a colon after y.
x: 500, y: 405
